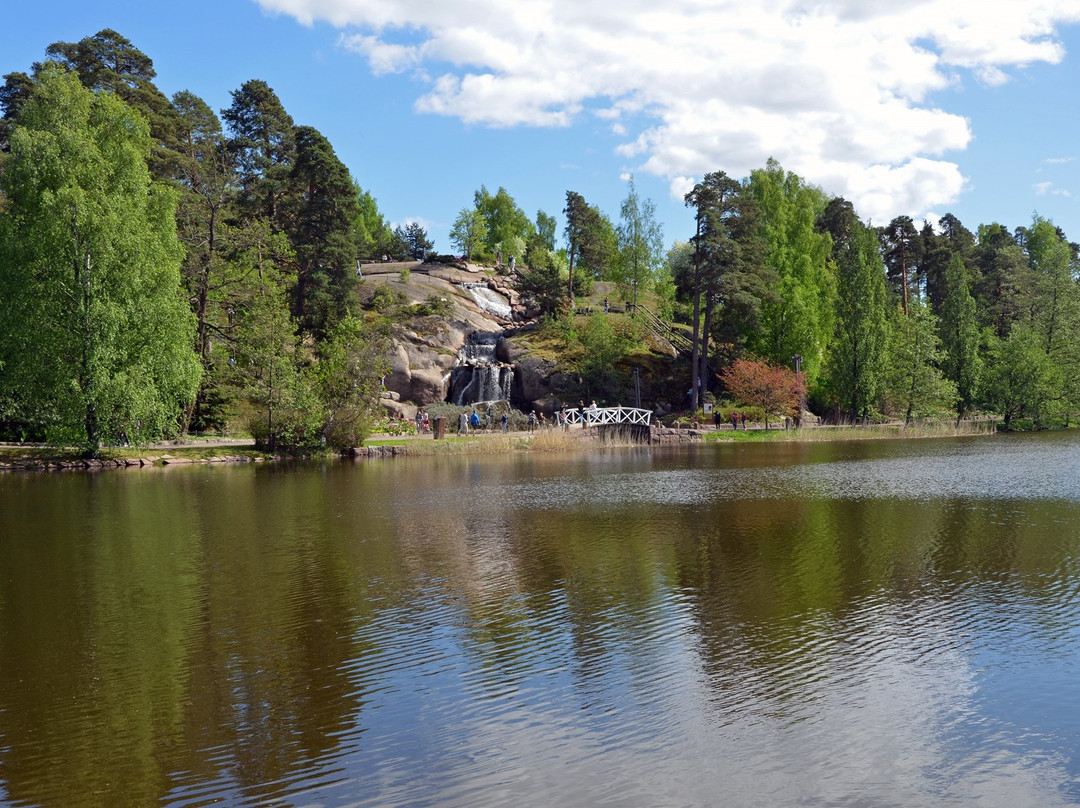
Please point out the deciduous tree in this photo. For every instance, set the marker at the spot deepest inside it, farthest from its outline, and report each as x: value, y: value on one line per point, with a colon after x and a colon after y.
x: 775, y: 389
x: 95, y: 334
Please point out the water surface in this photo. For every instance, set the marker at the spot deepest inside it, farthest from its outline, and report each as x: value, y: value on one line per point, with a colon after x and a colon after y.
x: 888, y: 623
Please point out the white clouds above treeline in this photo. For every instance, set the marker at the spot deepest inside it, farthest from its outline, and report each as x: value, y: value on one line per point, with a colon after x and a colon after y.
x: 836, y: 91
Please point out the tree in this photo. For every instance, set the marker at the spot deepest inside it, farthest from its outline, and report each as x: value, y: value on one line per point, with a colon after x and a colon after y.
x: 207, y: 187
x: 589, y: 238
x: 1005, y: 282
x: 727, y: 267
x: 901, y: 248
x: 268, y: 369
x: 372, y: 233
x: 319, y: 210
x: 777, y: 390
x: 800, y: 319
x: 109, y: 62
x: 469, y: 231
x: 960, y: 337
x: 352, y: 363
x: 546, y: 227
x: 505, y: 222
x: 640, y: 242
x: 939, y: 248
x: 96, y: 337
x: 1021, y: 378
x: 262, y: 142
x: 914, y: 383
x: 856, y: 362
x: 415, y: 238
x: 15, y: 91
x: 542, y: 281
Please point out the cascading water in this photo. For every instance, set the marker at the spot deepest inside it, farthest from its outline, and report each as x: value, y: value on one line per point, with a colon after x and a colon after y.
x: 479, y: 375
x: 489, y: 300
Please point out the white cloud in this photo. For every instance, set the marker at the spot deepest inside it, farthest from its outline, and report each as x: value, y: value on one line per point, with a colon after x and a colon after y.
x: 1044, y: 188
x: 836, y: 90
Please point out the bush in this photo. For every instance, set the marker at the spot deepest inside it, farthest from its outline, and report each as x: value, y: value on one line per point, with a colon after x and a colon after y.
x: 434, y: 306
x: 385, y: 298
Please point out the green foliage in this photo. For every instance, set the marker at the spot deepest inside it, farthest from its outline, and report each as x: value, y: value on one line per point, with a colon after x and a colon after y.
x: 504, y: 222
x: 95, y: 338
x: 640, y: 251
x: 914, y: 384
x: 856, y: 364
x: 352, y: 363
x: 1021, y: 379
x: 800, y: 320
x: 469, y: 231
x: 960, y: 337
x: 386, y: 298
x: 434, y: 306
x: 415, y: 239
x: 262, y: 143
x: 542, y: 281
x: 319, y: 209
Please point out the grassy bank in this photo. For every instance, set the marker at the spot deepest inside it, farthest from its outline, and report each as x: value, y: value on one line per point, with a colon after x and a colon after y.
x: 942, y: 429
x: 544, y: 440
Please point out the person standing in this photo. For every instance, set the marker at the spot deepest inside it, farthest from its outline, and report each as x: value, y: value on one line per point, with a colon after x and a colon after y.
x: 506, y: 422
x: 581, y: 413
x: 734, y: 419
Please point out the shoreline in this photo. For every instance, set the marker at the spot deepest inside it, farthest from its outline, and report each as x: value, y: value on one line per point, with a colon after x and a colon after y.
x: 38, y: 457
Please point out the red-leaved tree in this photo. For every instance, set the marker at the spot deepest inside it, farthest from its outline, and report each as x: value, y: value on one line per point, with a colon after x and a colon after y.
x: 775, y: 389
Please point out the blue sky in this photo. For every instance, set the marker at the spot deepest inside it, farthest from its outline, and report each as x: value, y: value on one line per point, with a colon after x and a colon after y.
x: 920, y: 107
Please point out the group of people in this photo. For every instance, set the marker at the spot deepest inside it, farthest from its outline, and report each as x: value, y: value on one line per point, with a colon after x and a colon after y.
x: 468, y: 422
x: 736, y: 419
x: 423, y: 421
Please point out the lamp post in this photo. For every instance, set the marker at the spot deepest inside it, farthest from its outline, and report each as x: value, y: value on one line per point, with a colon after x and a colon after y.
x: 797, y: 360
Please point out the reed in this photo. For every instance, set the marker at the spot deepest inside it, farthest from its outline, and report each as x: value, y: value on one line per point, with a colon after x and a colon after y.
x: 928, y: 429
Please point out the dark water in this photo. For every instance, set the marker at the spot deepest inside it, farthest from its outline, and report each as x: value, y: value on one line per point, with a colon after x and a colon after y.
x: 875, y: 624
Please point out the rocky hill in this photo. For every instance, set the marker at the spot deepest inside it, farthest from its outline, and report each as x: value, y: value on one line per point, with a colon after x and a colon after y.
x: 461, y: 334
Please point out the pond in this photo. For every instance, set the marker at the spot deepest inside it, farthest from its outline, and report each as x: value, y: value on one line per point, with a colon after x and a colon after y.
x: 886, y: 623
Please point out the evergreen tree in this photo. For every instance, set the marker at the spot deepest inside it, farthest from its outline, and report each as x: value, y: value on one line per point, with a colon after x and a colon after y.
x: 319, y: 210
x: 109, y: 62
x: 1005, y: 280
x: 960, y: 337
x: 901, y: 248
x: 95, y: 336
x: 415, y: 239
x: 262, y: 142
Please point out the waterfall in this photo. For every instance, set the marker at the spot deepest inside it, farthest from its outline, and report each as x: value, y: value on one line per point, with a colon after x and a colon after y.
x: 479, y: 376
x: 489, y: 300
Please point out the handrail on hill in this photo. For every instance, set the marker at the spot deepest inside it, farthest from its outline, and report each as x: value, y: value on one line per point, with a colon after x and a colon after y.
x: 660, y: 329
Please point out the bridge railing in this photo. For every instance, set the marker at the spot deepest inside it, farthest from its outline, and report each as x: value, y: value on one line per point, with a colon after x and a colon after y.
x: 611, y: 415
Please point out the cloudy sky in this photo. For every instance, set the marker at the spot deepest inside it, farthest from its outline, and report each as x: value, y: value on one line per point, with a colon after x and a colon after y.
x: 919, y: 107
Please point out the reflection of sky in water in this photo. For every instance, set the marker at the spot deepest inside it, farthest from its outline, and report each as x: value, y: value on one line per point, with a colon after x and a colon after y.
x: 894, y: 624
x: 985, y: 469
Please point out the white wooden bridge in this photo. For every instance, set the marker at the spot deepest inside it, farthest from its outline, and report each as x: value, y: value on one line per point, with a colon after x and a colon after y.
x: 602, y: 416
